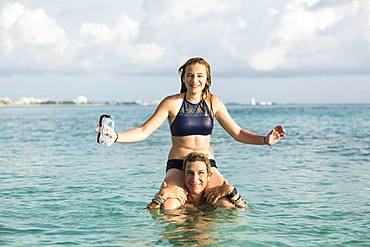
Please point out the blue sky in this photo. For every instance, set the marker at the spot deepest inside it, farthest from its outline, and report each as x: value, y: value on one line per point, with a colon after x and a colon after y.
x: 295, y: 51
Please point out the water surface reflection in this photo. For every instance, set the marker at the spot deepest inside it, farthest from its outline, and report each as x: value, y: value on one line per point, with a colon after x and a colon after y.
x: 193, y: 227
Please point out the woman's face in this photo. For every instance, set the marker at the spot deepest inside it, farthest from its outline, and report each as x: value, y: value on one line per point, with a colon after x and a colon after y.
x: 196, y: 177
x: 195, y: 78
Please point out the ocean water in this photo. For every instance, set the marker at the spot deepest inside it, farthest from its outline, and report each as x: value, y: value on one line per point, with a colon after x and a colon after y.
x: 59, y: 187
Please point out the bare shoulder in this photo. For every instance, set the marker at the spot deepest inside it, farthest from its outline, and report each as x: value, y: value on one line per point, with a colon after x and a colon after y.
x: 216, y: 102
x: 172, y: 102
x: 215, y: 99
x: 174, y: 97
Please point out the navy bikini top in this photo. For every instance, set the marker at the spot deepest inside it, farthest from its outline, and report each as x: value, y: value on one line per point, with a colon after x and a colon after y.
x: 192, y: 119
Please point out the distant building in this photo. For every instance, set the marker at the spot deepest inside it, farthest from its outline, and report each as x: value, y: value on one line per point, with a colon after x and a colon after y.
x: 265, y: 103
x: 253, y: 101
x: 6, y: 101
x: 147, y: 102
x: 262, y: 103
x: 80, y: 100
x: 30, y: 101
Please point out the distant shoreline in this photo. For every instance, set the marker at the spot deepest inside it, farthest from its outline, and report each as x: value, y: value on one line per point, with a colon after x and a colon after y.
x: 80, y: 100
x: 83, y: 101
x: 102, y: 104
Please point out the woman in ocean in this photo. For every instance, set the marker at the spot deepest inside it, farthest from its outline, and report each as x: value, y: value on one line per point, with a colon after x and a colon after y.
x: 191, y: 115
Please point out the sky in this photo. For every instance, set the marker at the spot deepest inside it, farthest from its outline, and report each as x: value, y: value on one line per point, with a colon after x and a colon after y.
x: 291, y: 51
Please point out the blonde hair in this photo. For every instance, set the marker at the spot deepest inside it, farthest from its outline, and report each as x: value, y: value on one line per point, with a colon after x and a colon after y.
x: 196, y: 156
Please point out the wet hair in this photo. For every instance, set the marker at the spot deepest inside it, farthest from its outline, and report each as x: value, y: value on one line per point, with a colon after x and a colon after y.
x: 206, y: 90
x: 196, y: 156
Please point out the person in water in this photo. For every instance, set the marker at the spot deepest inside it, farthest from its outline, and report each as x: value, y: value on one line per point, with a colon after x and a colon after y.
x: 196, y: 173
x: 191, y: 115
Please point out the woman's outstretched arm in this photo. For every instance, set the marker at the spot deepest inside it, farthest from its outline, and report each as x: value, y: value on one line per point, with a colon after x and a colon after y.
x: 243, y: 135
x: 146, y: 129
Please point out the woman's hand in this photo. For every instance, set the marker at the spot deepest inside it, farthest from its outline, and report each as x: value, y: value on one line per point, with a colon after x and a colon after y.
x: 167, y: 192
x: 214, y: 194
x: 173, y: 192
x: 108, y: 133
x: 275, y: 135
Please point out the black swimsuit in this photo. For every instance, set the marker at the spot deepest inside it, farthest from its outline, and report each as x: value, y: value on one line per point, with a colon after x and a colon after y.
x: 192, y: 119
x: 178, y: 163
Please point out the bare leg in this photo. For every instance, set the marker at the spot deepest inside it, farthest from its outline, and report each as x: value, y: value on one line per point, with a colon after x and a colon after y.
x: 173, y: 178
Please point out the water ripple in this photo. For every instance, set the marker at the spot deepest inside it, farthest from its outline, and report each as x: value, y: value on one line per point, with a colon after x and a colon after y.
x: 58, y: 187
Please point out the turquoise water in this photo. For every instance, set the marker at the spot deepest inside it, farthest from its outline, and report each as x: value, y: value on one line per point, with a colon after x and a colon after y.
x: 59, y: 187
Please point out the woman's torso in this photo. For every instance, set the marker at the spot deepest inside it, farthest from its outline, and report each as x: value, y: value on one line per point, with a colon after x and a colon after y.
x: 182, y: 145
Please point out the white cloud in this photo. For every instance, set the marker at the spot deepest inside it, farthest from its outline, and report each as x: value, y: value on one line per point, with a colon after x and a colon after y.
x: 167, y: 11
x: 6, y: 44
x: 294, y: 4
x: 29, y: 26
x: 242, y: 23
x: 143, y: 53
x: 32, y: 41
x: 273, y: 11
x: 315, y: 39
x: 29, y: 39
x: 209, y: 28
x: 127, y: 28
x: 96, y: 33
x: 10, y: 14
x: 115, y: 50
x: 235, y: 36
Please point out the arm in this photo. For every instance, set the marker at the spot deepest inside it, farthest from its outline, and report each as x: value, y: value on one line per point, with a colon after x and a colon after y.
x: 167, y: 192
x: 234, y: 199
x: 153, y: 123
x: 243, y: 135
x: 214, y: 194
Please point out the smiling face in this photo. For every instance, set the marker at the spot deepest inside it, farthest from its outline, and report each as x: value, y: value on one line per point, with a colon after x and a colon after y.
x: 195, y: 78
x: 196, y: 177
